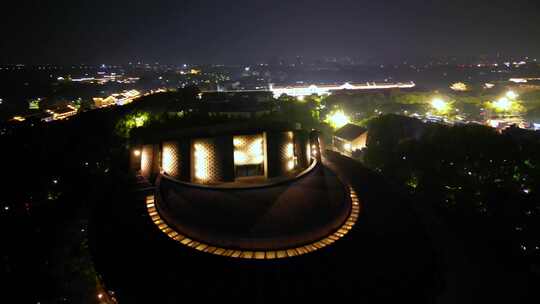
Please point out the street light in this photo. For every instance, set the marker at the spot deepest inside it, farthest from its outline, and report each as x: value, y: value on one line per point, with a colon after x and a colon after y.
x: 440, y: 105
x: 503, y: 104
x: 338, y: 119
x: 511, y: 94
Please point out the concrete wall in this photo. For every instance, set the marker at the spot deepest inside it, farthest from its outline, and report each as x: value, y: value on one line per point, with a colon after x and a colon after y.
x: 147, y: 153
x: 279, y: 158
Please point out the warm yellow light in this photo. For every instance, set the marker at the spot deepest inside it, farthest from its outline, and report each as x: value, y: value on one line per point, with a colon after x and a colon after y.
x: 511, y: 94
x: 137, y: 153
x: 459, y: 86
x: 201, y: 162
x: 240, y: 158
x: 337, y: 119
x: 290, y: 151
x: 290, y: 165
x: 168, y: 158
x: 440, y: 105
x: 347, y: 146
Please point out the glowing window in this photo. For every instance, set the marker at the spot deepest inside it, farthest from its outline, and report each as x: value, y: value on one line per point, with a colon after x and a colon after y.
x: 249, y: 155
x: 146, y: 160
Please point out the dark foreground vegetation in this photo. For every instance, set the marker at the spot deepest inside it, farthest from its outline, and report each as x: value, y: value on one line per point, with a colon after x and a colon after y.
x: 483, y: 183
x: 70, y: 221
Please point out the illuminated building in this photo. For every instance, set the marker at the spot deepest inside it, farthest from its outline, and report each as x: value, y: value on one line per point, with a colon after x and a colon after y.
x: 123, y: 98
x: 459, y: 86
x: 257, y: 191
x: 104, y: 102
x: 34, y: 104
x: 61, y: 113
x: 308, y: 90
x: 349, y: 139
x: 229, y: 156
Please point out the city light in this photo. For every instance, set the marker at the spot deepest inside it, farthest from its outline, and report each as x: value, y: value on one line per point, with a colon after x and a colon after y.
x: 459, y: 86
x: 146, y: 160
x: 512, y: 95
x: 321, y: 90
x: 202, y: 166
x: 337, y: 119
x: 140, y: 120
x: 137, y: 153
x: 503, y: 104
x: 440, y: 105
x: 248, y: 150
x: 290, y: 165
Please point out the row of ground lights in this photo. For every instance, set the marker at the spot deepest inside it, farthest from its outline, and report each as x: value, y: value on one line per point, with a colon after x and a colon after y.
x: 244, y: 254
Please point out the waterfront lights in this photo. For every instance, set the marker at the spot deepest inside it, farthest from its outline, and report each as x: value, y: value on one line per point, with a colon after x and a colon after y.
x: 137, y: 153
x: 337, y: 119
x: 248, y: 150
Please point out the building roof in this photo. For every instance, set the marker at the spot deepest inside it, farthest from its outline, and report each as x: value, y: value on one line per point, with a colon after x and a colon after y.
x: 350, y: 132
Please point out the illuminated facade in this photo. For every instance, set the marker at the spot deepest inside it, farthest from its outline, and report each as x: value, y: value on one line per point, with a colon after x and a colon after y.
x: 308, y: 90
x: 227, y: 157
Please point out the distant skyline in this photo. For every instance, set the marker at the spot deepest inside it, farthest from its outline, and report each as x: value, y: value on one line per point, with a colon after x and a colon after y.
x: 253, y: 31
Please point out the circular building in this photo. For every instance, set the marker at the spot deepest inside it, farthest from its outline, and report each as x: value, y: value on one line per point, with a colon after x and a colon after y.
x: 245, y: 191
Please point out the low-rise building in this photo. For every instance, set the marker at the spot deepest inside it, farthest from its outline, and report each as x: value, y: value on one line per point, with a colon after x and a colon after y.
x: 350, y: 138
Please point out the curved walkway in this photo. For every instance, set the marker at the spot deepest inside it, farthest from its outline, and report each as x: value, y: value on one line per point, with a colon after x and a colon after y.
x: 273, y: 218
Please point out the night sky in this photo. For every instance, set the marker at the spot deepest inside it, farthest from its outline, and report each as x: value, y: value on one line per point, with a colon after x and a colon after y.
x: 203, y: 31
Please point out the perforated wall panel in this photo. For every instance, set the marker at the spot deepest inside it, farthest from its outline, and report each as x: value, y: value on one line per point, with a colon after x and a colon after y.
x: 206, y: 167
x: 170, y: 159
x: 146, y: 160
